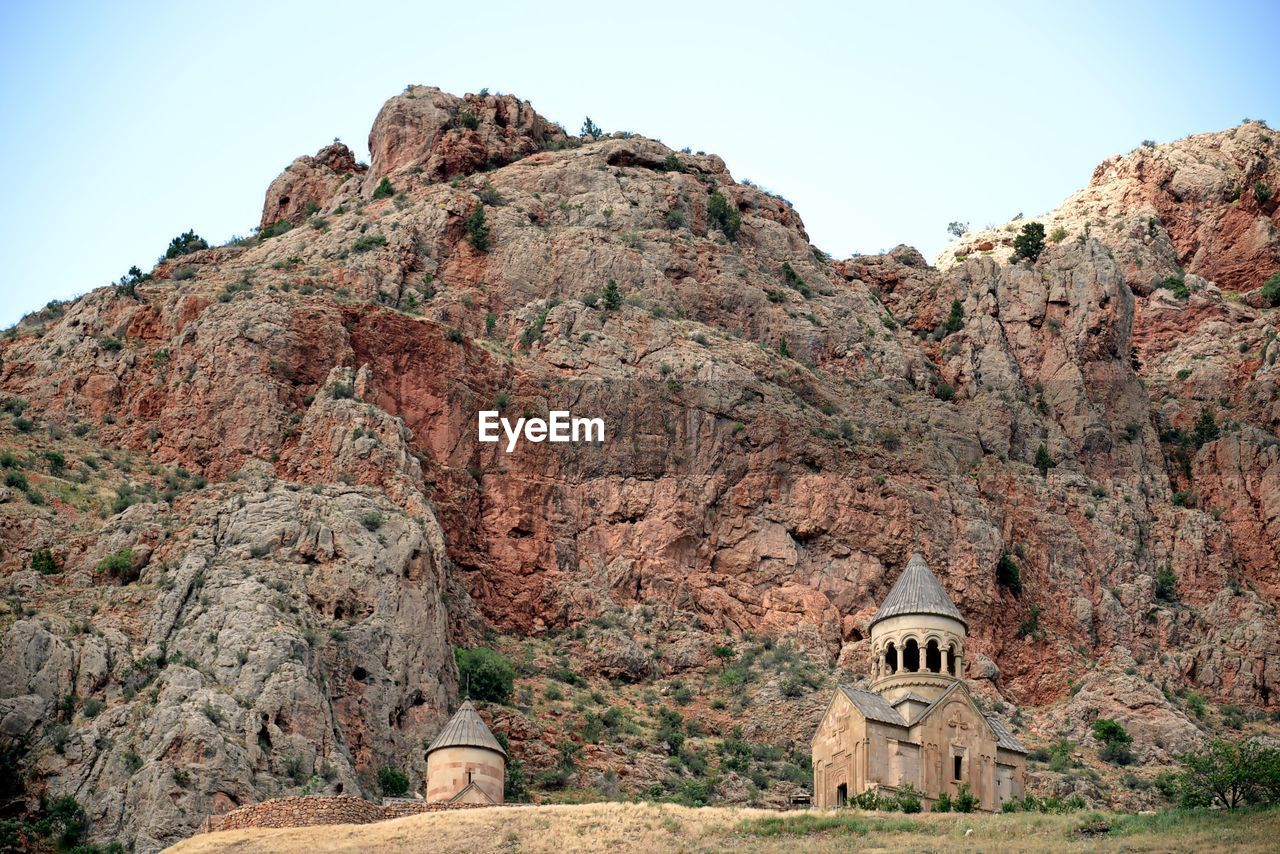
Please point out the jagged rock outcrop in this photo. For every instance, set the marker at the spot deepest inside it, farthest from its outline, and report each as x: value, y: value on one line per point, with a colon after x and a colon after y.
x: 276, y: 635
x: 309, y: 184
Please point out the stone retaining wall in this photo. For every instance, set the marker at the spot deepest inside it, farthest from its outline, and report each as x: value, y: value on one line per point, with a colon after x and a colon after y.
x: 306, y: 811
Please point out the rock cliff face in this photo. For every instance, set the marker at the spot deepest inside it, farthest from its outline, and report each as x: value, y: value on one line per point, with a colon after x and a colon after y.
x: 783, y: 430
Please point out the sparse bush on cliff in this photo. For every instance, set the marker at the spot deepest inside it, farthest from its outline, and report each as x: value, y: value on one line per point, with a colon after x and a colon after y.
x: 477, y: 229
x: 1262, y: 192
x: 1206, y: 428
x: 956, y: 228
x: 724, y: 215
x: 484, y: 675
x: 955, y: 320
x: 365, y: 242
x: 43, y: 562
x: 793, y: 280
x: 1044, y: 462
x: 119, y: 565
x: 277, y: 228
x: 384, y: 190
x: 185, y: 244
x: 591, y: 129
x: 1008, y: 575
x: 1030, y: 242
x: 1166, y: 584
x: 1271, y: 290
x: 468, y: 120
x: 1176, y: 285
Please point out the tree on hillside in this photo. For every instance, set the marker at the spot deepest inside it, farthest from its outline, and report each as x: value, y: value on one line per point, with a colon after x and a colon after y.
x: 1115, y: 741
x: 591, y: 129
x: 956, y: 228
x: 1030, y: 242
x: 1231, y: 774
x: 484, y: 674
x: 184, y: 244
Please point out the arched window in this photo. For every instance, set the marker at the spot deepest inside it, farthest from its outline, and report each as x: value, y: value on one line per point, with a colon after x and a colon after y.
x: 890, y: 659
x: 911, y: 656
x: 951, y: 659
x: 933, y: 657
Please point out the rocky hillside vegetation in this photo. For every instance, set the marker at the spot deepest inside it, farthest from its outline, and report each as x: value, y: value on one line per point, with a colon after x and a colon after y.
x: 247, y: 519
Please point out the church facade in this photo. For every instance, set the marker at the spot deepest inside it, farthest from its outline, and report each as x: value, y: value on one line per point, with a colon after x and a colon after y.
x: 918, y: 723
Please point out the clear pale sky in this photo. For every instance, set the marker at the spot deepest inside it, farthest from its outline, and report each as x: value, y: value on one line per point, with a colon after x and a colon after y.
x: 126, y: 123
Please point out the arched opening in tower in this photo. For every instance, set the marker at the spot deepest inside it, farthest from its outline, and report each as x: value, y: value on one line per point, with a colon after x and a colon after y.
x: 911, y: 656
x: 951, y: 659
x: 891, y: 660
x: 933, y: 657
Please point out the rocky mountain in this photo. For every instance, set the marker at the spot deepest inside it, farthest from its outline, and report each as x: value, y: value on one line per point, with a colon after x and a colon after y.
x: 247, y: 515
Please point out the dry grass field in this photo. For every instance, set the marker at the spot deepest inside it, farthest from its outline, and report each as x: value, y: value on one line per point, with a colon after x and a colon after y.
x: 655, y: 828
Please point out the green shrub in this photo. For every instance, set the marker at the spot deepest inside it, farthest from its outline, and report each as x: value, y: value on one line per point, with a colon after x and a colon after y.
x: 119, y: 565
x: 945, y: 391
x: 277, y: 228
x: 365, y: 242
x: 943, y: 803
x: 484, y: 675
x: 1206, y: 427
x: 1166, y: 584
x: 43, y: 562
x: 455, y: 335
x: 1176, y: 285
x: 591, y: 129
x: 91, y: 707
x: 468, y: 120
x: 1262, y: 192
x: 909, y: 799
x: 392, y: 782
x: 964, y: 800
x: 1030, y: 627
x: 1271, y: 290
x: 56, y: 460
x: 1058, y: 235
x: 793, y: 280
x: 1044, y: 462
x: 955, y: 320
x: 372, y: 521
x: 477, y: 229
x: 1008, y: 574
x: 16, y: 480
x: 1115, y: 741
x: 724, y: 215
x: 185, y: 244
x: 1030, y: 242
x: 384, y: 189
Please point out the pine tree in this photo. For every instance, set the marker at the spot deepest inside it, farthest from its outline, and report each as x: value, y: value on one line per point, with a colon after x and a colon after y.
x: 1044, y: 462
x: 1030, y: 242
x: 612, y: 299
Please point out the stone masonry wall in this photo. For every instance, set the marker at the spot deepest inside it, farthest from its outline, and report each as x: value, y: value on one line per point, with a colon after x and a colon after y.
x: 317, y: 809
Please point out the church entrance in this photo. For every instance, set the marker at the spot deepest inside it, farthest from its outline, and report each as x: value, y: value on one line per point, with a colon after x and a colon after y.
x: 842, y: 794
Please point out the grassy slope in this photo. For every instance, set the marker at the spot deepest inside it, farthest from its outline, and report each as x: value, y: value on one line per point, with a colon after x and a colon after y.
x: 666, y: 827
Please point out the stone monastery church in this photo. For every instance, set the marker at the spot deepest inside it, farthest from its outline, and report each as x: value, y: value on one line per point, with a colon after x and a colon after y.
x: 918, y: 724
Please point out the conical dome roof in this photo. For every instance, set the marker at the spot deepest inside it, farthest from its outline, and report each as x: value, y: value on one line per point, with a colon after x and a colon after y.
x: 466, y: 729
x: 918, y: 591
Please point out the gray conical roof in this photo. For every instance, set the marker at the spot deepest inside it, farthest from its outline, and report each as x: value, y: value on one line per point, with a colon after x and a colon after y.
x: 466, y: 729
x: 917, y: 591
